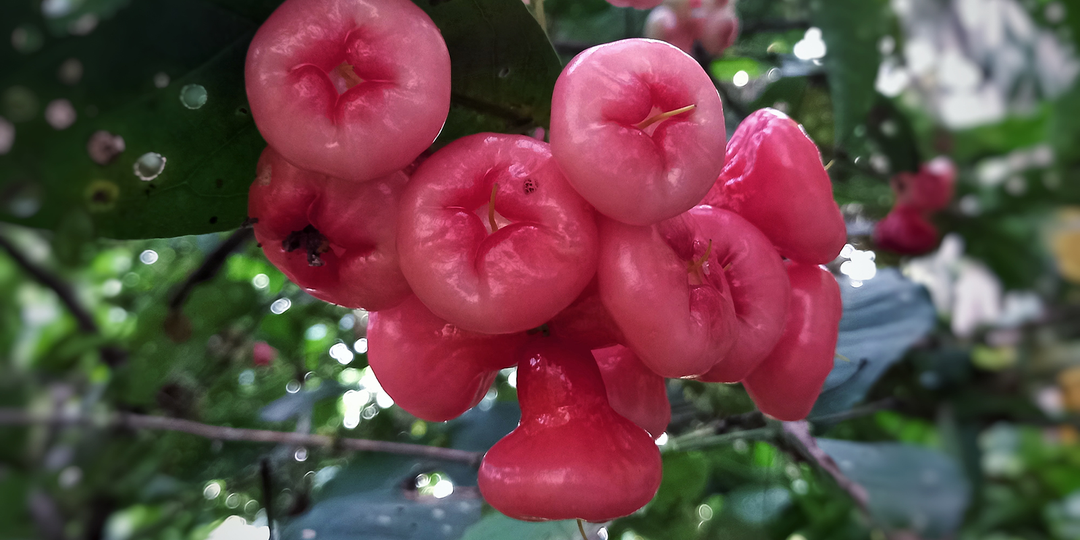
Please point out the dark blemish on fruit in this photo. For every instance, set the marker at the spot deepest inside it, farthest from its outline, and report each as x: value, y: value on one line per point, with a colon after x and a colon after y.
x: 529, y: 186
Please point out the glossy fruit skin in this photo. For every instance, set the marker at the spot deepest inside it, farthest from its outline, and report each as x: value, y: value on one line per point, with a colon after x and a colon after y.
x: 537, y: 262
x: 372, y: 129
x: 775, y: 179
x: 431, y: 368
x: 637, y: 176
x: 787, y: 383
x: 587, y: 322
x: 633, y: 390
x: 905, y: 230
x: 759, y: 289
x: 571, y: 456
x: 677, y: 328
x: 359, y: 220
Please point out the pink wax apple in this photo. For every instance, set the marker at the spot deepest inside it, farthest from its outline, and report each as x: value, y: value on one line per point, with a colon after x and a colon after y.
x: 638, y: 128
x: 905, y: 230
x: 667, y: 291
x: 719, y: 26
x: 636, y: 4
x: 431, y: 368
x: 930, y: 189
x: 759, y: 289
x: 571, y: 456
x: 587, y: 322
x: 355, y: 89
x: 493, y: 238
x: 774, y: 178
x: 633, y: 390
x: 788, y: 382
x: 334, y: 238
x: 665, y: 24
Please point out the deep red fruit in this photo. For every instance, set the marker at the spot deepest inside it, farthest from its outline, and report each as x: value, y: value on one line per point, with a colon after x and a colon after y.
x: 774, y: 178
x: 431, y: 368
x: 610, y: 135
x: 930, y: 189
x: 335, y: 238
x: 587, y: 322
x: 759, y: 289
x: 263, y: 354
x: 672, y: 303
x: 633, y: 390
x: 535, y: 264
x: 787, y: 383
x: 906, y: 231
x: 355, y: 89
x: 571, y: 456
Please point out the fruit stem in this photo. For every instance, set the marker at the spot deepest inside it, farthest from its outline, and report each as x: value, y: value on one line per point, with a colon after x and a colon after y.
x: 660, y: 117
x: 311, y: 241
x: 491, y: 208
x: 581, y: 529
x: 698, y: 264
x: 346, y: 71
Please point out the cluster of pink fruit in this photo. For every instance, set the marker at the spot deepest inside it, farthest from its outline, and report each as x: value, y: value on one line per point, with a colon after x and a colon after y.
x: 712, y: 23
x: 907, y: 229
x: 628, y: 250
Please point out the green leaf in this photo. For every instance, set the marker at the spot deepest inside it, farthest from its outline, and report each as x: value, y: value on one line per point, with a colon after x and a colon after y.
x: 911, y: 488
x: 851, y: 30
x: 1064, y: 134
x: 503, y: 74
x: 496, y: 526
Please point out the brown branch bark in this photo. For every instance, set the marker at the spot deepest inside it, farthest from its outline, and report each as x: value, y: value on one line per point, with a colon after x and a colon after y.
x: 48, y: 279
x: 10, y: 416
x: 210, y: 267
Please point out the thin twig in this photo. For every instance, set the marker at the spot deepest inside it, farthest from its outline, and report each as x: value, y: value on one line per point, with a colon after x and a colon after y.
x: 210, y: 267
x: 695, y: 441
x: 857, y: 412
x: 48, y: 279
x: 10, y: 416
x: 797, y: 437
x: 268, y: 499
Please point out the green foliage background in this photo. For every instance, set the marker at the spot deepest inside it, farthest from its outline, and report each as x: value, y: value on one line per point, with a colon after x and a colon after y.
x: 943, y: 434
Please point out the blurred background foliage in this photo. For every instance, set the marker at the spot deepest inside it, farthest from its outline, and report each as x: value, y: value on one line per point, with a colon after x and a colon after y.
x: 126, y: 150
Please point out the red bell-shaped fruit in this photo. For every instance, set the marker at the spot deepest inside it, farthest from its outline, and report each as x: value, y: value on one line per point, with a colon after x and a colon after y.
x: 587, y: 322
x: 633, y: 390
x: 774, y: 178
x: 906, y: 231
x: 493, y: 238
x: 431, y: 368
x: 571, y: 456
x: 787, y: 383
x: 335, y: 238
x: 930, y: 189
x: 665, y: 288
x: 759, y: 289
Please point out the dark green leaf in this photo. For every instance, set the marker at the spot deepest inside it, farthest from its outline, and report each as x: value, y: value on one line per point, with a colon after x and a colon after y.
x: 910, y: 488
x: 882, y: 318
x: 851, y: 30
x: 502, y: 75
x: 496, y: 526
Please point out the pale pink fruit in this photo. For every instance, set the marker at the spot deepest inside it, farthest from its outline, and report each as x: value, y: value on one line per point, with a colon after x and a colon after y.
x: 775, y: 179
x: 636, y: 4
x: 633, y: 390
x: 536, y: 263
x: 719, y: 29
x: 334, y: 238
x: 788, y: 382
x: 672, y: 303
x: 759, y: 289
x: 355, y: 89
x: 665, y: 24
x: 632, y: 170
x: 431, y: 368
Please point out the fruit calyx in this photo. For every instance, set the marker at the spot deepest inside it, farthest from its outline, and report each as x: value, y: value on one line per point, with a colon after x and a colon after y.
x: 660, y: 117
x: 348, y: 76
x: 311, y: 241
